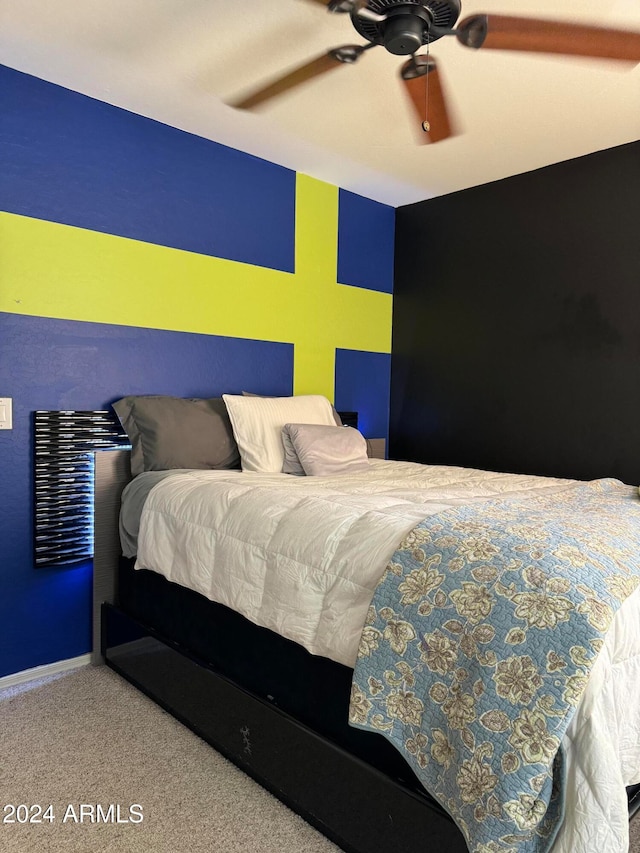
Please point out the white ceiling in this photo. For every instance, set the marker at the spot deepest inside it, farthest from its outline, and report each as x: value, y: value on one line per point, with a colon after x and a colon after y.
x: 179, y: 60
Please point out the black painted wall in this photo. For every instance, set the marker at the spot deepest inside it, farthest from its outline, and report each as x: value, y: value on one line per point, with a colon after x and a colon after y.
x: 516, y: 336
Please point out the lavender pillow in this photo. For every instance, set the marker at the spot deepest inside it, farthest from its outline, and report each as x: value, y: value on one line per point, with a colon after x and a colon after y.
x: 291, y: 464
x: 326, y: 450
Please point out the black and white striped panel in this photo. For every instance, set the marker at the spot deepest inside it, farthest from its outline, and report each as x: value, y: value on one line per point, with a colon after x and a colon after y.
x: 63, y: 482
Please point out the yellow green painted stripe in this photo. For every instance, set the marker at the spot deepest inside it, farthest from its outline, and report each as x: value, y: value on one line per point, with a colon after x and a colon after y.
x: 59, y: 271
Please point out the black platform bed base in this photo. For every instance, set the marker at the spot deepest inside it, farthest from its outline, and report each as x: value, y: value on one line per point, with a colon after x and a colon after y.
x: 355, y: 805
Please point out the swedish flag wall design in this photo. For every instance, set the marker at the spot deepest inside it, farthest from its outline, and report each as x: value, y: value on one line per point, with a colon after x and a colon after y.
x: 136, y: 258
x: 54, y: 270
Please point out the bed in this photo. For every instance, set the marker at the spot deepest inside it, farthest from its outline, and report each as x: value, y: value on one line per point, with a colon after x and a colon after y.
x: 245, y: 626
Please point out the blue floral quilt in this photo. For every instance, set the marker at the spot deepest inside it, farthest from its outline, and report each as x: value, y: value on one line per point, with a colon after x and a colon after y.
x: 478, y: 645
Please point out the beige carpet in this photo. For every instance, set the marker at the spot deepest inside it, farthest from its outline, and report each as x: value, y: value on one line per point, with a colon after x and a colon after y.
x: 89, y: 737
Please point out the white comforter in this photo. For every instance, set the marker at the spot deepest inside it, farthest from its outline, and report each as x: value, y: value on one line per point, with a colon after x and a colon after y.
x: 302, y: 556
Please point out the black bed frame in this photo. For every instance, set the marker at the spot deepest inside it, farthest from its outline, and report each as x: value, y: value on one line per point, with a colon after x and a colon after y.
x: 357, y: 806
x: 351, y: 785
x: 254, y: 696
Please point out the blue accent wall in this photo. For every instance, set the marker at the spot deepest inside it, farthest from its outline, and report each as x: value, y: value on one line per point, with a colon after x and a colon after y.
x: 63, y: 364
x: 365, y: 243
x: 68, y: 158
x: 362, y: 385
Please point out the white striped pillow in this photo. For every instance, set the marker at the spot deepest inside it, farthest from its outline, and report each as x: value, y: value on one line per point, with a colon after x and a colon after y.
x: 257, y: 425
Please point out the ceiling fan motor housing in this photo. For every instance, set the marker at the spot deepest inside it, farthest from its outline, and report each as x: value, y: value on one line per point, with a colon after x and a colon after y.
x: 405, y: 30
x: 409, y: 24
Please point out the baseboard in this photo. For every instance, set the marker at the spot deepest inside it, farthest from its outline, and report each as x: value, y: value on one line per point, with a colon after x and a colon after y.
x: 44, y: 671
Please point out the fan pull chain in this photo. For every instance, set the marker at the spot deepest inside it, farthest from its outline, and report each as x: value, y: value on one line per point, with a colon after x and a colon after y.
x: 426, y: 126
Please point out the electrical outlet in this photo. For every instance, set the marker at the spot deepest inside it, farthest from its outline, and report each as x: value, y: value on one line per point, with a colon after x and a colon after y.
x: 6, y: 417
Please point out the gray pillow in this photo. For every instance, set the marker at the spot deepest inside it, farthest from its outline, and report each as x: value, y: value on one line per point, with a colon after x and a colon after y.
x: 327, y: 450
x: 175, y: 432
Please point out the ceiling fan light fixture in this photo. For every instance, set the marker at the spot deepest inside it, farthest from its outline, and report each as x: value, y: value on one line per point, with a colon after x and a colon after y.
x: 406, y: 30
x: 427, y: 20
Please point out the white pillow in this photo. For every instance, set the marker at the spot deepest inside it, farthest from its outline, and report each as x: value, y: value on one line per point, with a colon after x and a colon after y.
x: 257, y: 425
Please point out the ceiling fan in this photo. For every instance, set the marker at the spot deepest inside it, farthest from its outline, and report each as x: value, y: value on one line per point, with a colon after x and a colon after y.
x: 403, y: 27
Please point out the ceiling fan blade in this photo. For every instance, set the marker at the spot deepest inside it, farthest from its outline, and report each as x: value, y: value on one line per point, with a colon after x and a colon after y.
x: 423, y: 85
x: 301, y: 74
x: 502, y: 32
x: 342, y: 5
